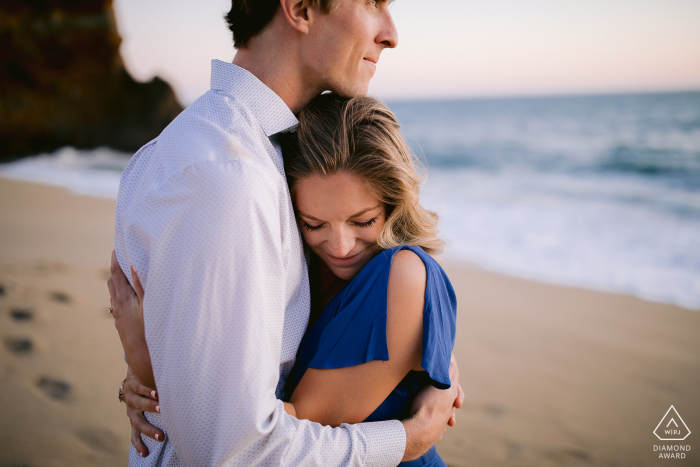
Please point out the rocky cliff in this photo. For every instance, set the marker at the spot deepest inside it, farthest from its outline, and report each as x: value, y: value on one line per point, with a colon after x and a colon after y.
x: 62, y: 81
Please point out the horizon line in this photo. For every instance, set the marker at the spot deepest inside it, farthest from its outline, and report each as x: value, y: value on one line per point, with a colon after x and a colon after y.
x: 557, y: 95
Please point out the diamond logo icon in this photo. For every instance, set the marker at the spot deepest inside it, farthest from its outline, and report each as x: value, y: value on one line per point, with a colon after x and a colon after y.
x: 672, y: 427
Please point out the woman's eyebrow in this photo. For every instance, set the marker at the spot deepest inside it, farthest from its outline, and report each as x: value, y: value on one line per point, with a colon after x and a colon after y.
x: 354, y: 215
x: 366, y: 210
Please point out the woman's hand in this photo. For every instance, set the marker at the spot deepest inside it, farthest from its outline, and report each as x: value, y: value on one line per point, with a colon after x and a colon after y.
x: 140, y: 399
x: 127, y: 305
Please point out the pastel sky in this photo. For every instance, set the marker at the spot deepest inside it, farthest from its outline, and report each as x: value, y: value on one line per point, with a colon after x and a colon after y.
x: 457, y: 48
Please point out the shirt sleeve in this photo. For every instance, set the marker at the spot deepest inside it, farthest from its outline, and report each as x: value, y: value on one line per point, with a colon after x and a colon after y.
x: 214, y: 312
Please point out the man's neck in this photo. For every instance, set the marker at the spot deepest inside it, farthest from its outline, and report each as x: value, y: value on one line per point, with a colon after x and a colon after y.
x: 280, y: 72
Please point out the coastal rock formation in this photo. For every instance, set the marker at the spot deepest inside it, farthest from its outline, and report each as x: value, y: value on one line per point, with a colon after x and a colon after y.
x: 62, y: 81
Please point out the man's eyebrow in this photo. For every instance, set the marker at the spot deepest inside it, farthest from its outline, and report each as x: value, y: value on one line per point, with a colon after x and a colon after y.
x: 354, y: 215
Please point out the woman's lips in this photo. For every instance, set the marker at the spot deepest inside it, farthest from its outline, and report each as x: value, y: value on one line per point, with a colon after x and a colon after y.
x: 347, y: 261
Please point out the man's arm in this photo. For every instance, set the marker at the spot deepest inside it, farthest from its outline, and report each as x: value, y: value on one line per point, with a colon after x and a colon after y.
x: 214, y: 311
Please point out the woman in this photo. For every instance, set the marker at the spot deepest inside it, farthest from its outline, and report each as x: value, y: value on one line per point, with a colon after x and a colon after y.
x: 383, y: 311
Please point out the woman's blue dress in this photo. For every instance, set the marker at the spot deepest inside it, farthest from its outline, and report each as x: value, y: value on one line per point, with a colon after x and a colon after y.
x: 351, y: 330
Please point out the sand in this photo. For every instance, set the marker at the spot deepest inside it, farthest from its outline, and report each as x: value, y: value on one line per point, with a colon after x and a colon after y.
x: 553, y: 375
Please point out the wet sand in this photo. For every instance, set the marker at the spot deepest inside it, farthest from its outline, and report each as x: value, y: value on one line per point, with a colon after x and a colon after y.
x: 553, y: 375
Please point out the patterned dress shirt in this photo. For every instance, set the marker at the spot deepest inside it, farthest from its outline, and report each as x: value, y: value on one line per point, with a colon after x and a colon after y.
x: 204, y: 216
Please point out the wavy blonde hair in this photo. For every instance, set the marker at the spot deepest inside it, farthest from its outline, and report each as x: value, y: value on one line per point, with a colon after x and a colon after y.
x: 362, y: 136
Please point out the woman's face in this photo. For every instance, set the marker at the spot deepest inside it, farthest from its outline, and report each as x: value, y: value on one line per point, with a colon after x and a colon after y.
x: 340, y: 220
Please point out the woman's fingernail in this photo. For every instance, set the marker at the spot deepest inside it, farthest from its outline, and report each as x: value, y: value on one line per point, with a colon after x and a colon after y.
x: 143, y: 454
x: 157, y: 437
x: 158, y: 408
x: 153, y: 394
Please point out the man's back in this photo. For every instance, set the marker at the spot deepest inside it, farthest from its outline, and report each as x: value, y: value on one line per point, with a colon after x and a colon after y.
x: 214, y: 154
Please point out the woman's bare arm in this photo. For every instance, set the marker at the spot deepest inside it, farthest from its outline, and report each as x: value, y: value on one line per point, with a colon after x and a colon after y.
x: 349, y: 395
x: 128, y: 319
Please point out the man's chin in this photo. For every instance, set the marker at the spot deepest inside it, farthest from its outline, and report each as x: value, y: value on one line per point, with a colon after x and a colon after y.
x: 350, y: 90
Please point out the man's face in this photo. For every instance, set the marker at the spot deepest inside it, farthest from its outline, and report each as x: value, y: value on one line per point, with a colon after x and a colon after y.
x: 342, y: 48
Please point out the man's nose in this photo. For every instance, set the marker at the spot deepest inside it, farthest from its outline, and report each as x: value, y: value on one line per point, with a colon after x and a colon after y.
x: 388, y: 36
x: 341, y: 244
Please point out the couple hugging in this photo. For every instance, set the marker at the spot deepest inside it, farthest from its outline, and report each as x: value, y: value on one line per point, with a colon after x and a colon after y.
x: 285, y: 309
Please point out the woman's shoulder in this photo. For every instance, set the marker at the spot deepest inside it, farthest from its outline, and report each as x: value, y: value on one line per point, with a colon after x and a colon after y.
x: 416, y: 275
x: 412, y: 261
x: 407, y: 282
x: 409, y: 266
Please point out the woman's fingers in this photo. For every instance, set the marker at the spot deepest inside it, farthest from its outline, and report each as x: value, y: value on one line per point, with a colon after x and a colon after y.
x: 460, y: 397
x: 140, y: 403
x: 140, y: 424
x: 454, y: 380
x: 138, y: 288
x: 133, y: 385
x: 146, y: 391
x: 138, y: 396
x: 138, y: 443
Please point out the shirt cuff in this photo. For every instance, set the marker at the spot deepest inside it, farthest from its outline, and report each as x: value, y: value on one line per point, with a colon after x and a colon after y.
x: 385, y: 443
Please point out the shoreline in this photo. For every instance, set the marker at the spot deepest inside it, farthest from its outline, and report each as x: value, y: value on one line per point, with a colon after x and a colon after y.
x: 454, y: 261
x: 553, y: 375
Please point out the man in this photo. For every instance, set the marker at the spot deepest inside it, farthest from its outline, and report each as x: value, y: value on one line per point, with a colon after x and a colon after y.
x: 204, y: 216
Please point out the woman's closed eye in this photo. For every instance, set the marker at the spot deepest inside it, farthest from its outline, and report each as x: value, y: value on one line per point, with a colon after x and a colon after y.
x: 313, y: 228
x: 369, y: 223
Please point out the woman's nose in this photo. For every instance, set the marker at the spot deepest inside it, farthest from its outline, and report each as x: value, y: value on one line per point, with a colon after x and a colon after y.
x: 341, y: 243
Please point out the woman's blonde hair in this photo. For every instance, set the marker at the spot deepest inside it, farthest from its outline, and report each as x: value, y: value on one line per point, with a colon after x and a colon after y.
x: 361, y: 136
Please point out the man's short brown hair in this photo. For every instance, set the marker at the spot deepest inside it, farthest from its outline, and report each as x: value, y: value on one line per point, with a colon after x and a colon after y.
x: 248, y: 18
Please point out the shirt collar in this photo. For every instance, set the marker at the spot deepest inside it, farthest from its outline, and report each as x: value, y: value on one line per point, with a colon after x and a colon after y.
x: 266, y: 106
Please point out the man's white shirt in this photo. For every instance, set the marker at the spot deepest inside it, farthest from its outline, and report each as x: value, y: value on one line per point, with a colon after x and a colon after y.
x: 205, y: 218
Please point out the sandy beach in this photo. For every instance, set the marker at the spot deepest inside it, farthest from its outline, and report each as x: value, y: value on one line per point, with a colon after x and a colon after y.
x: 553, y: 375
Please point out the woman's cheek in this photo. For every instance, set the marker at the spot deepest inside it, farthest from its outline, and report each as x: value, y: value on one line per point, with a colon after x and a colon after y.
x: 311, y: 238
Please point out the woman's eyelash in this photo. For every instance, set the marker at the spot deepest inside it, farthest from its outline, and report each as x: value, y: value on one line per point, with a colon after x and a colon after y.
x: 311, y: 228
x: 369, y: 223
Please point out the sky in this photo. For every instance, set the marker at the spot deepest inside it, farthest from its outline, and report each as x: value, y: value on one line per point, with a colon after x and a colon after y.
x: 456, y: 48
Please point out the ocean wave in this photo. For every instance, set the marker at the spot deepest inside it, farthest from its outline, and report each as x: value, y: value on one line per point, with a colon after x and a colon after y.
x: 91, y: 172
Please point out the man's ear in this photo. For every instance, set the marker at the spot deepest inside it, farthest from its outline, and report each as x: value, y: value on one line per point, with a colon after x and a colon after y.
x: 298, y: 13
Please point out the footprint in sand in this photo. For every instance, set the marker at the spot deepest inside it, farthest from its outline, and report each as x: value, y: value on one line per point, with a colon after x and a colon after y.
x: 22, y: 314
x: 101, y: 439
x: 60, y: 297
x: 55, y: 388
x: 495, y: 411
x: 19, y: 345
x: 579, y: 454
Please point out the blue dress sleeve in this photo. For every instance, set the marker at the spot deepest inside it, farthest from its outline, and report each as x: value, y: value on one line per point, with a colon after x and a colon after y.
x: 352, y: 329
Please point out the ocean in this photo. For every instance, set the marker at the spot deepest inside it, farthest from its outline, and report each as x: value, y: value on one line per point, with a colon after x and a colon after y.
x: 599, y: 192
